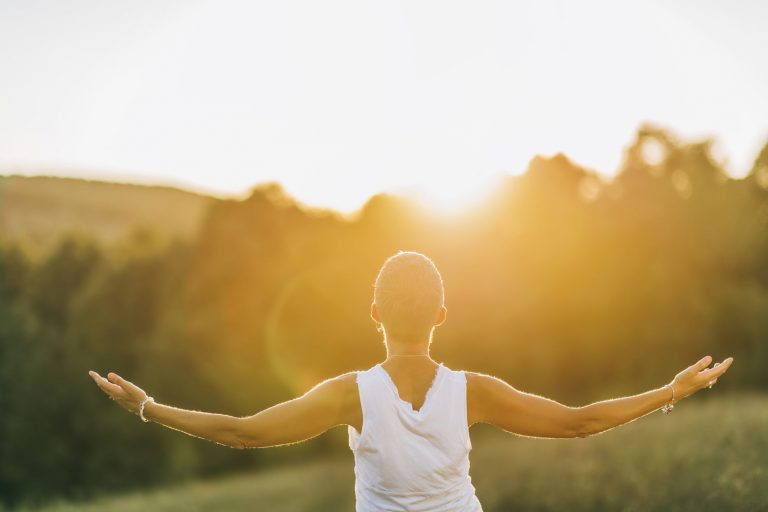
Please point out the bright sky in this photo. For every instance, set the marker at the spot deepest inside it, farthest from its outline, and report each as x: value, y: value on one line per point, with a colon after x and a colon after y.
x: 339, y: 100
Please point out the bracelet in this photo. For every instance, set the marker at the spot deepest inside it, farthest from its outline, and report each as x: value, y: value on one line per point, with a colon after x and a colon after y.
x: 141, y: 407
x: 671, y: 404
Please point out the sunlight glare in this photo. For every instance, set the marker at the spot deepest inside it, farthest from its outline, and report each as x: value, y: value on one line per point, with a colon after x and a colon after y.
x: 451, y: 196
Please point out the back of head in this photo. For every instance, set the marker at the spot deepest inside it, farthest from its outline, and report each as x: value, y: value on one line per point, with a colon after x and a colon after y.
x: 408, y: 294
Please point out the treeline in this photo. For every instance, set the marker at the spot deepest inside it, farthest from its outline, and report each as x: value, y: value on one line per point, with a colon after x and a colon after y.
x: 561, y: 283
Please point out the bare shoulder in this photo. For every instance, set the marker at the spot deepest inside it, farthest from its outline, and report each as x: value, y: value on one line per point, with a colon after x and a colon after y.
x: 482, y: 385
x: 339, y: 395
x: 485, y: 393
x: 494, y: 401
x: 343, y: 380
x: 480, y: 380
x: 337, y: 388
x: 347, y: 384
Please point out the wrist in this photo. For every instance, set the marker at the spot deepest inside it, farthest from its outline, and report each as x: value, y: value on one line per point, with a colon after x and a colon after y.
x: 681, y: 391
x: 672, y: 396
x: 143, y: 407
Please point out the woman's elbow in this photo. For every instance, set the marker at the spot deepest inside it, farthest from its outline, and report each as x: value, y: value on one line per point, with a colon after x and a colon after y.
x: 238, y: 444
x: 584, y: 424
x: 582, y: 433
x: 238, y: 437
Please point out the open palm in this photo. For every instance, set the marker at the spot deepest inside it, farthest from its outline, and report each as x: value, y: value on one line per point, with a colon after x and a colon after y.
x: 698, y: 376
x: 125, y: 393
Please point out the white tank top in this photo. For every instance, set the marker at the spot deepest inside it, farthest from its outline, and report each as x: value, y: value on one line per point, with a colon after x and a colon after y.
x: 408, y: 460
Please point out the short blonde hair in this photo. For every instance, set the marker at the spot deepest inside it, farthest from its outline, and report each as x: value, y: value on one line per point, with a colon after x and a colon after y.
x: 408, y: 293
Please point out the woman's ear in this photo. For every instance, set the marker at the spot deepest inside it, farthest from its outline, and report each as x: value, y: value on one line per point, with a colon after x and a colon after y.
x: 375, y: 313
x: 441, y: 316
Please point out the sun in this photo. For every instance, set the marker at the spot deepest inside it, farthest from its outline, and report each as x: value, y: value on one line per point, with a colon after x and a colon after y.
x: 449, y: 197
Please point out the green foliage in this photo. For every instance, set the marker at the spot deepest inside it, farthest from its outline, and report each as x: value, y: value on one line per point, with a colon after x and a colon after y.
x: 562, y: 284
x: 708, y: 455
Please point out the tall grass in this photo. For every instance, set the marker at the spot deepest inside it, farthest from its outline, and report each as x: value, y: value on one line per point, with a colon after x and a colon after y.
x: 707, y: 455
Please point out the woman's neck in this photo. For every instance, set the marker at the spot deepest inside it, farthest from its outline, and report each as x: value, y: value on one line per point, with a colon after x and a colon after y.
x: 407, y: 351
x: 409, y: 360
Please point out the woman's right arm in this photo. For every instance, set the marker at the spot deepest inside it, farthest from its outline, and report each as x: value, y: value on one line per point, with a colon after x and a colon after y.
x: 491, y: 400
x: 330, y: 403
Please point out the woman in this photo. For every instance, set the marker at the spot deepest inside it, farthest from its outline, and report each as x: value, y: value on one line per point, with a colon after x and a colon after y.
x: 408, y: 417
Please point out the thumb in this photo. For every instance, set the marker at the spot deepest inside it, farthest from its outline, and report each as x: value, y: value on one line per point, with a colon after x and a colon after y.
x: 115, y: 378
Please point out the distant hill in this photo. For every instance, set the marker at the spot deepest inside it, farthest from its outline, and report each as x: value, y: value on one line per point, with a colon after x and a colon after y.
x: 35, y: 211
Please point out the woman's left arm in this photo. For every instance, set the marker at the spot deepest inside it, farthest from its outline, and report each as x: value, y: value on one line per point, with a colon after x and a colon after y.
x: 607, y: 414
x: 330, y: 403
x: 491, y: 400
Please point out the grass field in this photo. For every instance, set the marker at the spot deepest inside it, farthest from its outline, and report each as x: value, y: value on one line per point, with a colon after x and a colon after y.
x: 707, y: 455
x: 35, y: 211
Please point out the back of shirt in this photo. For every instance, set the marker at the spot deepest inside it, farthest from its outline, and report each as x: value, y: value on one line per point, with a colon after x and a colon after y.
x: 407, y: 460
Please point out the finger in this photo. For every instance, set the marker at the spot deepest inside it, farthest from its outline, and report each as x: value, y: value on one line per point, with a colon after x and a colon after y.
x: 703, y: 363
x: 113, y: 390
x: 717, y: 371
x: 106, y: 386
x: 98, y: 379
x: 127, y: 385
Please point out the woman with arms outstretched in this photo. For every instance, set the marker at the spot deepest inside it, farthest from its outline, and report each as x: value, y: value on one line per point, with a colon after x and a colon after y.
x: 408, y: 417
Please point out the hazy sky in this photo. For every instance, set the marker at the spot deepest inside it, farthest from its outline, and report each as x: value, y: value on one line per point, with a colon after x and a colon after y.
x: 338, y: 100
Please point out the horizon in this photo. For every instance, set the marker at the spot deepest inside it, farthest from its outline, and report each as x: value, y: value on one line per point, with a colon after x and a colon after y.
x: 410, y: 195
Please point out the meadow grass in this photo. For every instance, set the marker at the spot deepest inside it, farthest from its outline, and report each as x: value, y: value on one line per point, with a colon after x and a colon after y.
x: 709, y: 454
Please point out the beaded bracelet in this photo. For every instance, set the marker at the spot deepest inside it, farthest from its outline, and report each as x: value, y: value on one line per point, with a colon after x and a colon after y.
x: 141, y: 408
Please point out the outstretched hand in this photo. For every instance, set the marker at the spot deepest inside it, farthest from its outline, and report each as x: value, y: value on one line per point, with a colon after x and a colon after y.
x: 698, y: 376
x: 125, y: 393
